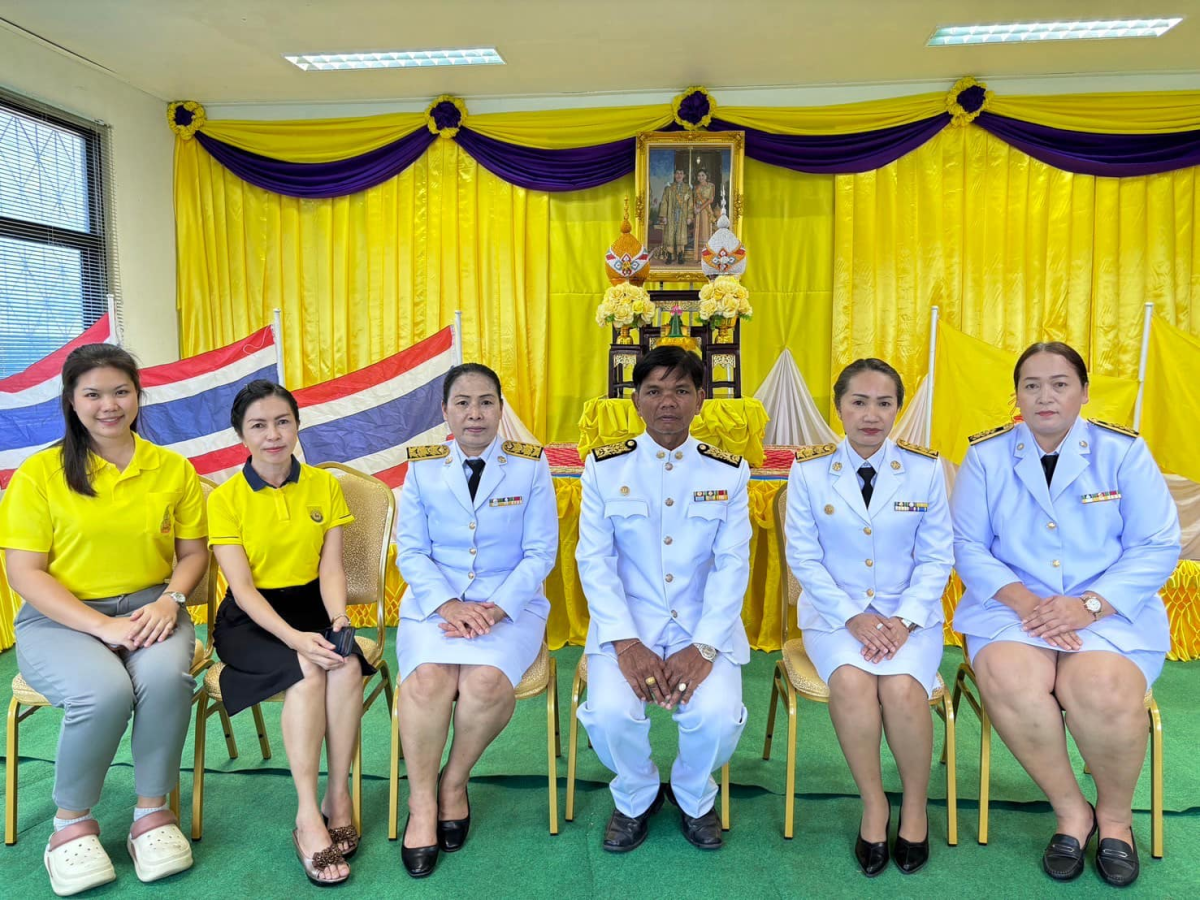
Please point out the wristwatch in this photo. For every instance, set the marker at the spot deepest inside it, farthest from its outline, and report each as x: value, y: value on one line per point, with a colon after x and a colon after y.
x: 709, y: 653
x: 178, y: 596
x: 910, y: 625
x: 1091, y: 602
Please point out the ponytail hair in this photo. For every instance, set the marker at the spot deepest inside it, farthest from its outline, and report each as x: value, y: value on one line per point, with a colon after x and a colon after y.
x: 77, y: 442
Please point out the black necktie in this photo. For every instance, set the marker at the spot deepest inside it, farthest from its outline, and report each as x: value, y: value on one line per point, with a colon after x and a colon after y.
x: 476, y: 473
x: 867, y: 474
x: 1049, y: 461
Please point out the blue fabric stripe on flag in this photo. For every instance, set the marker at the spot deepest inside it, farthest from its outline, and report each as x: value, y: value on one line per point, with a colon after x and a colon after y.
x: 373, y: 430
x: 188, y: 418
x: 32, y: 426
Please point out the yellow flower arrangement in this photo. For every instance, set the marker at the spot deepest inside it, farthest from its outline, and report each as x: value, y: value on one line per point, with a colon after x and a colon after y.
x: 624, y: 305
x: 724, y: 301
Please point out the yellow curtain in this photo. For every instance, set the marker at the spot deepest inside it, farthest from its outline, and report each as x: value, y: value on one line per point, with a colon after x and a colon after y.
x: 1150, y: 112
x: 362, y: 276
x: 315, y: 140
x: 735, y: 426
x: 1010, y: 250
x: 1171, y: 406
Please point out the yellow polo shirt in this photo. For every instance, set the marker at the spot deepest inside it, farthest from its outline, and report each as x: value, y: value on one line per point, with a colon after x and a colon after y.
x: 120, y: 541
x: 281, y: 529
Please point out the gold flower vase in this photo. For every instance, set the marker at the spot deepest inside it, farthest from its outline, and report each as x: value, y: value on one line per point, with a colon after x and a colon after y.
x: 725, y: 331
x: 624, y: 337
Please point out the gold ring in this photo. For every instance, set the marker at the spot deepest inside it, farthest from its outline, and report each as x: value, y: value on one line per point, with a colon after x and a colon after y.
x: 682, y: 686
x: 652, y: 681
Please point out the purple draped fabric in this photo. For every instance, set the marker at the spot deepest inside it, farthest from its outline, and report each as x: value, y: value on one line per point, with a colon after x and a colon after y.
x: 1087, y: 153
x: 571, y: 169
x: 836, y: 153
x: 324, y: 179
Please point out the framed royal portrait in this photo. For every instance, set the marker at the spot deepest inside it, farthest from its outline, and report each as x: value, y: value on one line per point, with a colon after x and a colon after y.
x: 683, y: 178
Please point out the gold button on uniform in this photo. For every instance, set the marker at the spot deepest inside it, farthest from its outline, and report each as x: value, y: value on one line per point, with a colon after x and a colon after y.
x: 670, y: 467
x: 837, y: 467
x: 674, y: 614
x: 1051, y: 525
x: 679, y: 454
x: 870, y: 592
x: 670, y: 502
x: 470, y: 576
x: 661, y: 454
x: 870, y: 562
x: 473, y: 551
x: 1055, y: 563
x: 670, y: 578
x: 829, y: 509
x: 1083, y: 444
x: 667, y: 539
x: 624, y: 489
x: 867, y: 530
x: 472, y: 526
x: 1020, y: 446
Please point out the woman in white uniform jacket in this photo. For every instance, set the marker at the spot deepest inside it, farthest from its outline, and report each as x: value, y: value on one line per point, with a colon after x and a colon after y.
x: 1064, y: 533
x: 474, y: 550
x: 871, y: 609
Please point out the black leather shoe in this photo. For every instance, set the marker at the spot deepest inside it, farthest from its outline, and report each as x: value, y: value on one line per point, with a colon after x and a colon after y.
x: 910, y: 855
x: 452, y: 833
x: 418, y: 861
x: 1117, y: 861
x: 625, y: 833
x: 703, y: 831
x: 872, y: 858
x: 1063, y: 857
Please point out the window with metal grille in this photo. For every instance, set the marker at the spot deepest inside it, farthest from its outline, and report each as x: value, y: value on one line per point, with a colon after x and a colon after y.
x: 57, y: 250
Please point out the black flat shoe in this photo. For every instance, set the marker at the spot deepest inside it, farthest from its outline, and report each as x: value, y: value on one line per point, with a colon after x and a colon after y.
x: 625, y: 833
x: 872, y: 858
x: 1117, y: 861
x: 703, y: 831
x: 452, y: 833
x: 1063, y: 857
x: 418, y: 861
x: 910, y: 855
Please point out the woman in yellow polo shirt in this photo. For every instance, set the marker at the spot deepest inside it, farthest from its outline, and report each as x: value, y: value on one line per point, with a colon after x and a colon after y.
x: 90, y: 528
x: 276, y: 529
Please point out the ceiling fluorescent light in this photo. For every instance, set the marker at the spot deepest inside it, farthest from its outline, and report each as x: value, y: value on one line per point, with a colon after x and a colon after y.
x: 395, y: 59
x: 1030, y: 32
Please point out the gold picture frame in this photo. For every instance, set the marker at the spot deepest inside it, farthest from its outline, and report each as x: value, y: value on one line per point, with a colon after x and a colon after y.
x: 675, y: 223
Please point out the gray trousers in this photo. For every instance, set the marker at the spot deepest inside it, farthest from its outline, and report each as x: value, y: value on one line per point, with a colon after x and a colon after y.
x: 98, y: 688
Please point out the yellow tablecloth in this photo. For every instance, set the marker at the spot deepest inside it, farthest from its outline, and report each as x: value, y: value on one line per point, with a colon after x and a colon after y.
x: 761, y: 613
x: 735, y: 426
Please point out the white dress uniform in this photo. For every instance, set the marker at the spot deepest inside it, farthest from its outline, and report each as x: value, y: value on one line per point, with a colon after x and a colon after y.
x: 1106, y: 523
x: 664, y: 557
x: 892, y: 559
x: 498, y: 547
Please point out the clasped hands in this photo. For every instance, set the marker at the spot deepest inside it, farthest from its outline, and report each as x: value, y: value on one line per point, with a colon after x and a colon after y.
x: 1056, y: 620
x: 664, y: 682
x: 468, y: 620
x: 147, y: 625
x: 878, y: 643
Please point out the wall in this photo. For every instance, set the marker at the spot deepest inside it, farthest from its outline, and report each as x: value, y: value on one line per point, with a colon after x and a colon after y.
x: 142, y: 149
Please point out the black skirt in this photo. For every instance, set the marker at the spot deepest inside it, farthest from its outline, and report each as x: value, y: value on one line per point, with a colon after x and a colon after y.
x: 257, y: 664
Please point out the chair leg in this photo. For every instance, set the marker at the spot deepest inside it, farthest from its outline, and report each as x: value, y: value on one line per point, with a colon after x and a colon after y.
x: 789, y: 809
x: 725, y: 797
x: 263, y: 743
x: 227, y: 727
x: 356, y: 783
x: 771, y: 718
x: 12, y: 759
x: 577, y: 688
x: 173, y: 800
x: 950, y: 758
x: 394, y: 773
x: 1156, y: 783
x: 552, y: 742
x: 386, y: 674
x: 198, y: 767
x: 985, y: 770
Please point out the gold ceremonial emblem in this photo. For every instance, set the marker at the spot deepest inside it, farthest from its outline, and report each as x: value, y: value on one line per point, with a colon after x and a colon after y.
x: 896, y: 465
x: 916, y: 448
x: 1083, y: 444
x: 829, y: 509
x: 837, y: 467
x: 525, y: 451
x: 502, y: 459
x: 314, y: 513
x: 991, y: 433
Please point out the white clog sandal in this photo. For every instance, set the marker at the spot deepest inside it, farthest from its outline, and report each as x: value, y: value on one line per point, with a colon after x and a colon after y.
x: 76, y: 861
x: 157, y: 846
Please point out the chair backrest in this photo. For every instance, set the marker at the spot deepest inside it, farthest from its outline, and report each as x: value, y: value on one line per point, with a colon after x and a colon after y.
x: 366, y: 538
x: 789, y: 587
x: 205, y: 591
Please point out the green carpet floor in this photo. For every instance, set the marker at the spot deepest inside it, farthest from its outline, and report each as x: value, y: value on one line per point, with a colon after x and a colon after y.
x: 247, y: 852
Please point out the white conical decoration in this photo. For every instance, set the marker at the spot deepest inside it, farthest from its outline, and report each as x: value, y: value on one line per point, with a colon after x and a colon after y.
x: 794, y: 417
x: 513, y: 429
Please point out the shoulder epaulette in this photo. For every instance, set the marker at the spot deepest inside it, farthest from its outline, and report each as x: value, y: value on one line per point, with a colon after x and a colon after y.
x: 526, y: 451
x: 917, y: 448
x: 815, y: 451
x: 991, y: 433
x: 611, y: 451
x: 1112, y: 426
x: 428, y: 451
x: 730, y: 459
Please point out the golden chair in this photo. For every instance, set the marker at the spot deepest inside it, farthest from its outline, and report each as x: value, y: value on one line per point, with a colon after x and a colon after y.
x: 365, y: 552
x: 578, y: 686
x: 25, y: 696
x: 540, y: 678
x: 975, y: 700
x: 795, y: 676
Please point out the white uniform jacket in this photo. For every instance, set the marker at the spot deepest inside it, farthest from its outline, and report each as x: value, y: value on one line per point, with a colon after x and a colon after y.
x: 1108, y: 524
x: 498, y: 547
x: 895, y: 558
x: 664, y: 536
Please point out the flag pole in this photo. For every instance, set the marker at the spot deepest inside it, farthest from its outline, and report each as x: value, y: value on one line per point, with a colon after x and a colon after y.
x: 933, y: 324
x: 114, y: 327
x: 277, y: 331
x: 1137, y: 409
x: 458, y: 354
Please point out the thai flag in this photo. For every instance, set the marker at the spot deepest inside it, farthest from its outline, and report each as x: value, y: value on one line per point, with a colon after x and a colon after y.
x: 30, y: 408
x: 368, y: 418
x: 186, y: 404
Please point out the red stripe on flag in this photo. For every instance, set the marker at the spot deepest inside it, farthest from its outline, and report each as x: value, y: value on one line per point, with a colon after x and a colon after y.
x: 393, y: 477
x: 216, y: 460
x: 204, y: 363
x: 49, y: 366
x: 5, y: 477
x: 376, y: 373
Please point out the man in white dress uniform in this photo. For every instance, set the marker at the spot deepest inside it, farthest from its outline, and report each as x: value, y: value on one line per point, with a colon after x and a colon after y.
x: 664, y: 539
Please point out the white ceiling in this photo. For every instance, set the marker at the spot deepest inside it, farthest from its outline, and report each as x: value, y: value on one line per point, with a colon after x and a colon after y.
x: 230, y: 51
